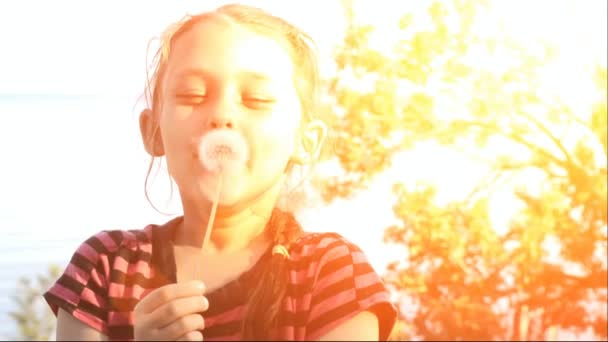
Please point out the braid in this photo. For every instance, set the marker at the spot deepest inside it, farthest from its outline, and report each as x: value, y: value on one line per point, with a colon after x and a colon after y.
x: 266, y: 298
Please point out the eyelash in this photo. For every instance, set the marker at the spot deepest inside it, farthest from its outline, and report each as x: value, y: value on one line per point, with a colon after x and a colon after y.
x: 190, y: 99
x: 195, y: 99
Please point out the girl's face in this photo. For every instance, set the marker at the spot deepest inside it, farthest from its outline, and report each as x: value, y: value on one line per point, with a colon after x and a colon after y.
x: 222, y: 75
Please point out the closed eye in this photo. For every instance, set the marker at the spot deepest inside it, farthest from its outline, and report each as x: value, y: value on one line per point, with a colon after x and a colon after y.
x: 258, y: 102
x: 258, y: 99
x: 190, y: 99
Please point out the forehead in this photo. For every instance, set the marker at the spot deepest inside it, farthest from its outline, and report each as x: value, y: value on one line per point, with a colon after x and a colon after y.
x: 221, y: 48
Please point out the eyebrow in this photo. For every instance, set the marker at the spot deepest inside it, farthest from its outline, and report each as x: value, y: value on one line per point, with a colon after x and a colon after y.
x: 200, y: 73
x: 192, y: 72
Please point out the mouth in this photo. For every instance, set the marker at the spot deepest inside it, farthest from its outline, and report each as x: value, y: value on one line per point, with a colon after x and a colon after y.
x: 221, y: 150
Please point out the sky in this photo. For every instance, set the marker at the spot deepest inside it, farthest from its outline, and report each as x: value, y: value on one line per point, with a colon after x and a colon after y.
x: 100, y: 46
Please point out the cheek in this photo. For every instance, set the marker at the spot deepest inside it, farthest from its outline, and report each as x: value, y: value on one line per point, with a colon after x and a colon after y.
x: 176, y: 131
x: 274, y: 143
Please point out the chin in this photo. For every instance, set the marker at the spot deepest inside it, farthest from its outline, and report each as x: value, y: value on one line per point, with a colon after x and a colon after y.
x: 230, y: 194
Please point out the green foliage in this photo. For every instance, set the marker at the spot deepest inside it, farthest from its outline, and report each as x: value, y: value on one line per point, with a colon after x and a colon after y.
x: 547, y: 271
x: 34, y: 319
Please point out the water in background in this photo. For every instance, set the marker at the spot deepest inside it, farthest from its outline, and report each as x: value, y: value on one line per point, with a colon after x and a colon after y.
x: 71, y: 166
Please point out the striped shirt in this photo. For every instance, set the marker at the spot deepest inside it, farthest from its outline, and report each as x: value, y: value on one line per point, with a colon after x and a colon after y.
x: 330, y: 281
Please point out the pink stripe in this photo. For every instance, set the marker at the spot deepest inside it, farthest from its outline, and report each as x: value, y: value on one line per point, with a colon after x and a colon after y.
x: 378, y: 297
x: 93, y: 298
x: 121, y: 318
x: 332, y: 302
x: 366, y: 280
x: 99, y: 279
x: 121, y: 291
x: 226, y: 316
x: 139, y: 266
x: 146, y: 247
x: 316, y: 244
x: 91, y: 321
x: 105, y: 277
x: 359, y: 257
x: 291, y: 333
x: 88, y: 252
x: 303, y: 302
x: 76, y: 273
x: 336, y: 252
x: 334, y: 277
x: 299, y: 277
x: 65, y: 294
x: 107, y: 241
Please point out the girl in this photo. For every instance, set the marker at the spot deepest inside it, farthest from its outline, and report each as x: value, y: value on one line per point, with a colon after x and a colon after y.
x: 253, y: 76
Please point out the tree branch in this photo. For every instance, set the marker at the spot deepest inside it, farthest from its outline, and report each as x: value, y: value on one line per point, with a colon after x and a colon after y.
x: 550, y: 135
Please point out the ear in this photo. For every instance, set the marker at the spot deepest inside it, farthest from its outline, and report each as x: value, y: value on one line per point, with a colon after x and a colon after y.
x: 150, y: 133
x: 310, y: 142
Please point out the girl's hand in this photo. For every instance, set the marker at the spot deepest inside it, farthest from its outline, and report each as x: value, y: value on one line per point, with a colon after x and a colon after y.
x: 172, y: 313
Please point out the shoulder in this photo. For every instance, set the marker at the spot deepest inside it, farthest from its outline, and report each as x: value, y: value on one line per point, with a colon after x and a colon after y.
x: 324, y: 246
x: 325, y: 257
x: 338, y: 284
x: 110, y: 242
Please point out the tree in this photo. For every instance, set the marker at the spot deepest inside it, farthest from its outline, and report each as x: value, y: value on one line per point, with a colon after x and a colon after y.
x: 34, y: 320
x: 465, y: 279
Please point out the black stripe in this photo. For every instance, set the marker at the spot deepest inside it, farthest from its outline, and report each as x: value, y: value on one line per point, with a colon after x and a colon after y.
x: 314, y: 239
x: 133, y: 256
x: 140, y: 236
x: 121, y: 332
x: 299, y: 289
x: 332, y: 315
x: 333, y: 289
x: 334, y: 265
x: 116, y: 235
x: 93, y: 310
x: 362, y: 268
x: 305, y: 286
x: 297, y: 319
x: 59, y: 302
x: 119, y: 277
x: 369, y: 291
x: 82, y: 262
x: 97, y: 245
x: 120, y: 304
x: 227, y: 298
x: 71, y: 284
x: 223, y: 329
x: 303, y: 262
x: 97, y: 289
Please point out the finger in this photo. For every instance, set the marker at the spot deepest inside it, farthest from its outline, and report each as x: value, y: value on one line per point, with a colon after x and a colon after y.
x: 192, y: 336
x: 169, y: 292
x: 182, y: 326
x: 177, y: 308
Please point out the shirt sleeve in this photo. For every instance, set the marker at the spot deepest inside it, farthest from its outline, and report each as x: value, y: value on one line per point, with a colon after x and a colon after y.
x: 345, y: 285
x: 82, y: 288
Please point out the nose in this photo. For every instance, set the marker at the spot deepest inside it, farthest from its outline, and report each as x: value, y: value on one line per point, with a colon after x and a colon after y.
x: 221, y: 121
x: 220, y: 112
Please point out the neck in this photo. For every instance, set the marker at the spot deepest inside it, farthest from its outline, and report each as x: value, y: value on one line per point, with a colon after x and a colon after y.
x: 234, y: 228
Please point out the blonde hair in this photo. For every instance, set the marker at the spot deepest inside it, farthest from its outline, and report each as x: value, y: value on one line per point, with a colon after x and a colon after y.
x: 265, y: 299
